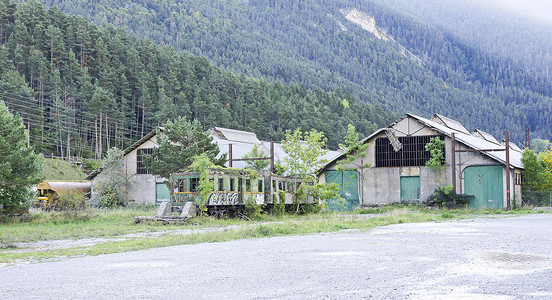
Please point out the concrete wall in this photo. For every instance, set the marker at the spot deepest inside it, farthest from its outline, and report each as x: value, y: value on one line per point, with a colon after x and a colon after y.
x: 382, y: 185
x: 142, y: 187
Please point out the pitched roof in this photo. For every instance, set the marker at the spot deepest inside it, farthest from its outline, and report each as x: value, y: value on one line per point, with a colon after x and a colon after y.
x: 486, y: 136
x: 474, y: 142
x: 450, y: 123
x: 234, y: 135
x: 461, y: 136
x: 242, y: 143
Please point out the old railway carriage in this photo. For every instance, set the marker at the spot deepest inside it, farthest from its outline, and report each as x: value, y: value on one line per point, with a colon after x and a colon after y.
x: 233, y: 188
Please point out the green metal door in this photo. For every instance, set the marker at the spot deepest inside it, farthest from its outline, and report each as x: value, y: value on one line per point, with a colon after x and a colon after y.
x: 348, y: 185
x: 162, y: 192
x: 486, y: 185
x: 410, y: 189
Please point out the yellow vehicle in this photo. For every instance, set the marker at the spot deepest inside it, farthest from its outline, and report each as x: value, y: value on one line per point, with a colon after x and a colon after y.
x: 50, y: 189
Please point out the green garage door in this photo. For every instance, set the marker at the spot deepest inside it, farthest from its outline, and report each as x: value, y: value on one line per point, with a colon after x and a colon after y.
x: 486, y: 185
x: 348, y: 183
x: 410, y: 189
x: 162, y: 192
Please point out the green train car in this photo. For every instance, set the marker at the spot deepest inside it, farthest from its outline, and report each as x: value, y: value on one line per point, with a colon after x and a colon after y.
x: 233, y: 189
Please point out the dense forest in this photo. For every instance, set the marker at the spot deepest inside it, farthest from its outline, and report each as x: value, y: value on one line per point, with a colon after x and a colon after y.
x: 82, y: 88
x: 310, y: 42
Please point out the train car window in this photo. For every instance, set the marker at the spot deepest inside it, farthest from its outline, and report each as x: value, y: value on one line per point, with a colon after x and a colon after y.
x: 240, y: 185
x: 181, y: 185
x: 274, y: 186
x: 221, y: 184
x: 232, y: 185
x: 280, y: 186
x: 194, y: 184
x: 260, y: 186
x: 248, y: 185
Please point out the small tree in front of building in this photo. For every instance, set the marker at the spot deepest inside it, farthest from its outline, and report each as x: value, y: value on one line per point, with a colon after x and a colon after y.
x: 112, y: 190
x: 304, y: 160
x: 20, y: 167
x: 355, y: 154
x: 179, y: 143
x: 256, y: 153
x: 535, y: 177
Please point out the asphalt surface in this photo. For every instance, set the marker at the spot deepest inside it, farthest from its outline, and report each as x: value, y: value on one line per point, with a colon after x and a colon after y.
x: 506, y: 258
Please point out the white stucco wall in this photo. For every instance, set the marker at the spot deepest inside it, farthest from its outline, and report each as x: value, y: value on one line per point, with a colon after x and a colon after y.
x: 142, y: 187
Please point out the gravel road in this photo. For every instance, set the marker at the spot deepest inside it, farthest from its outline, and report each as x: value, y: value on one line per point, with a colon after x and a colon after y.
x: 505, y: 258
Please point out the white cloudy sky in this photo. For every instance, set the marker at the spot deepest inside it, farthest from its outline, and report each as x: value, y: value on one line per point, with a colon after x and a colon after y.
x: 538, y: 9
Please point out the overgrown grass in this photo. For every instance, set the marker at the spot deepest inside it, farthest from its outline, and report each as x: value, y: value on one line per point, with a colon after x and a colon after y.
x: 57, y: 169
x: 113, y: 223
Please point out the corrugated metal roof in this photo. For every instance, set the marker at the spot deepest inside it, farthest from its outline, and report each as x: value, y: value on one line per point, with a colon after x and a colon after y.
x: 239, y: 149
x: 486, y: 136
x: 463, y: 137
x: 450, y: 123
x: 235, y: 135
x: 475, y: 142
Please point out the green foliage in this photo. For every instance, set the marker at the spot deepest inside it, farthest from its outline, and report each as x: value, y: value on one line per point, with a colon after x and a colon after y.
x: 90, y: 165
x: 436, y: 162
x: 304, y: 156
x: 355, y: 155
x: 534, y: 173
x: 115, y: 182
x: 444, y: 197
x: 63, y: 72
x: 69, y: 201
x: 253, y: 210
x: 279, y: 168
x: 355, y: 152
x: 57, y: 169
x: 499, y: 75
x: 20, y: 167
x: 540, y: 145
x: 201, y: 164
x: 180, y: 142
x: 279, y: 205
x: 256, y: 153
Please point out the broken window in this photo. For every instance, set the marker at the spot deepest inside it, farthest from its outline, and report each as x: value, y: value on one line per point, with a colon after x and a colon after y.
x: 221, y: 184
x: 232, y: 188
x: 140, y: 167
x: 412, y: 153
x: 194, y: 184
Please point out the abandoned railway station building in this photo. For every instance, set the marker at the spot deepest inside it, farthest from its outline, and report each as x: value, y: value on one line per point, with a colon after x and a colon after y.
x: 394, y: 169
x: 146, y: 188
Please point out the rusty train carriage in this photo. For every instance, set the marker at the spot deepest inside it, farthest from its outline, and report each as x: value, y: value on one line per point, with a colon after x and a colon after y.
x: 233, y: 188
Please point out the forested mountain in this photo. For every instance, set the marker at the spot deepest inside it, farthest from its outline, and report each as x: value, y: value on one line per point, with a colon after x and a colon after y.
x: 82, y: 88
x: 420, y: 67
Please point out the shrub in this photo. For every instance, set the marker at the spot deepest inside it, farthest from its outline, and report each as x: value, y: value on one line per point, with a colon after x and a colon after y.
x: 69, y: 201
x: 253, y: 210
x: 279, y: 205
x: 444, y: 197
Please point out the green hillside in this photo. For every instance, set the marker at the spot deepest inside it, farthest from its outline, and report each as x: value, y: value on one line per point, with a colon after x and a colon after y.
x: 312, y: 43
x: 57, y: 169
x: 83, y: 88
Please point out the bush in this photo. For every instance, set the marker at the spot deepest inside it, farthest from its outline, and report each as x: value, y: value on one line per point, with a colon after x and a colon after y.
x: 69, y: 201
x: 253, y: 210
x: 108, y: 196
x: 279, y: 205
x: 444, y: 197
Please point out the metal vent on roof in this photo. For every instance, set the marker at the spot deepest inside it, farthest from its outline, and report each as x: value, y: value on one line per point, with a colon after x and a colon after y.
x: 393, y: 140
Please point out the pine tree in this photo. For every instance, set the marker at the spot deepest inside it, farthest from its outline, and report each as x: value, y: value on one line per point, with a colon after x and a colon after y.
x: 20, y: 167
x: 179, y: 142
